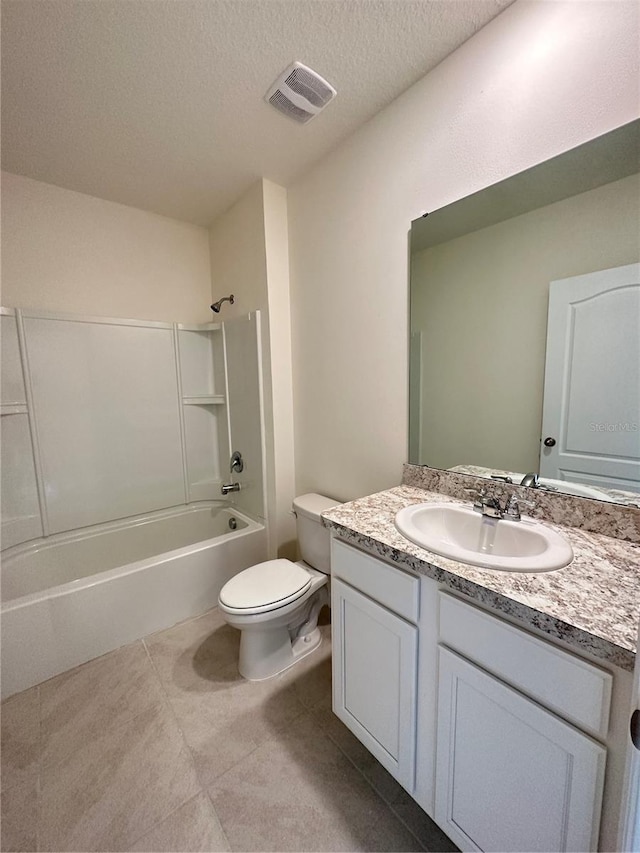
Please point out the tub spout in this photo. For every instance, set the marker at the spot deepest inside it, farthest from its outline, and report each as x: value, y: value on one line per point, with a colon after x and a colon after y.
x: 230, y: 487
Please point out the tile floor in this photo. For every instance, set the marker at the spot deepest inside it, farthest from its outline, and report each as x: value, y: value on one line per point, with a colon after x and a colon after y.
x: 161, y: 746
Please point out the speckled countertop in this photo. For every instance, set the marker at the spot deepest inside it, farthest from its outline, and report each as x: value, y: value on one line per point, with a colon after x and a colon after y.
x: 592, y: 604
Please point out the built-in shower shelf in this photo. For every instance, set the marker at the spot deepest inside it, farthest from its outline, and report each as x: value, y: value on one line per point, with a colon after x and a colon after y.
x: 201, y: 327
x: 13, y: 409
x: 206, y: 400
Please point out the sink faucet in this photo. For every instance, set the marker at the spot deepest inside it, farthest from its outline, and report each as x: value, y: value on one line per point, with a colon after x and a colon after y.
x: 490, y: 507
x: 531, y: 480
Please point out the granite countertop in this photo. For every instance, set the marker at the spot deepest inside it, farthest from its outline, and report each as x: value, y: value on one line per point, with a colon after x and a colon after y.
x: 593, y: 604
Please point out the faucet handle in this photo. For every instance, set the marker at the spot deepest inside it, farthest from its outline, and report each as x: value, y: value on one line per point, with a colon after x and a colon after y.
x: 479, y: 497
x: 512, y: 508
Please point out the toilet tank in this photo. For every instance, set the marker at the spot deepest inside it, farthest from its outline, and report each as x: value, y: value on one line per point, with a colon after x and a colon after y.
x: 314, y: 539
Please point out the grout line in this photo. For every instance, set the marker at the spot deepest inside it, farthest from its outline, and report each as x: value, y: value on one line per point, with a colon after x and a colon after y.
x: 175, y: 717
x: 158, y: 823
x: 171, y: 711
x: 169, y: 704
x: 161, y: 821
x: 275, y: 735
x: 203, y: 787
x: 372, y: 786
x: 39, y: 775
x: 109, y: 723
x: 215, y: 811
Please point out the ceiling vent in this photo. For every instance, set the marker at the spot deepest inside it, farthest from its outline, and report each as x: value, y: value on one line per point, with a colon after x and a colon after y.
x: 300, y: 93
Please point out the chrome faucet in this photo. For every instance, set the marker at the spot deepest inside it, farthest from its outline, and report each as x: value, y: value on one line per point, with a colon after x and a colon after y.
x: 230, y: 487
x: 531, y: 479
x: 489, y: 505
x: 486, y: 504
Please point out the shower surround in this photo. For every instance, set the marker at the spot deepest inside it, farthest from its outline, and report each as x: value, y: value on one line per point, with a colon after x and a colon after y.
x: 116, y: 441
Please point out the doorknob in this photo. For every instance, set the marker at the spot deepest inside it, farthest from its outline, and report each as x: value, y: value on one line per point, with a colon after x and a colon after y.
x: 549, y: 442
x: 634, y: 728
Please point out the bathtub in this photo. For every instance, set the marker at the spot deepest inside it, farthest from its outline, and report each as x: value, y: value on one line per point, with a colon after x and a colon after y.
x: 72, y: 597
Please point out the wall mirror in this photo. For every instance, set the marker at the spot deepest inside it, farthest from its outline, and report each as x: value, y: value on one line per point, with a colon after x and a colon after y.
x: 525, y: 326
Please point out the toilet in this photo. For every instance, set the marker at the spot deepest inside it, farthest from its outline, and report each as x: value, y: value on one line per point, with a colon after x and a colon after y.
x: 276, y: 604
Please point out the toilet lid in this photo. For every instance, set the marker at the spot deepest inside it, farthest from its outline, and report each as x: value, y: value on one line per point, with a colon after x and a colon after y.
x: 265, y: 586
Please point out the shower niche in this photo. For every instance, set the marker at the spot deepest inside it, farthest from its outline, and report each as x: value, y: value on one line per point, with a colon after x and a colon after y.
x: 204, y: 412
x: 104, y: 418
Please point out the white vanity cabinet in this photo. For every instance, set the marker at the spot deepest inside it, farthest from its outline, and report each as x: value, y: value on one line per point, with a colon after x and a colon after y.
x: 374, y: 611
x: 513, y: 770
x: 501, y: 736
x: 510, y: 775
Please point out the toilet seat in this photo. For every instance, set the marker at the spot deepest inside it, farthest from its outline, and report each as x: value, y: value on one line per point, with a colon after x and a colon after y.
x: 265, y: 586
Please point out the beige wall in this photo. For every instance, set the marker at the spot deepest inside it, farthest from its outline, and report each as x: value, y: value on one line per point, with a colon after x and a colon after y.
x: 238, y: 256
x: 480, y: 302
x: 65, y: 251
x: 539, y: 79
x: 250, y: 258
x: 281, y: 457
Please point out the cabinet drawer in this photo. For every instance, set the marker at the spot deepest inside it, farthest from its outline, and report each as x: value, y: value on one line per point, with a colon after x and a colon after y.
x: 394, y: 588
x: 575, y: 689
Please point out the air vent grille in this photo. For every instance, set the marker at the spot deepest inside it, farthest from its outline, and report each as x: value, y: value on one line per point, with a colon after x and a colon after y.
x: 310, y: 87
x: 300, y: 93
x: 282, y: 103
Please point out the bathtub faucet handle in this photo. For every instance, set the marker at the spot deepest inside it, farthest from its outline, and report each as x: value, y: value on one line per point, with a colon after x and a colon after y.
x: 230, y: 487
x: 237, y: 462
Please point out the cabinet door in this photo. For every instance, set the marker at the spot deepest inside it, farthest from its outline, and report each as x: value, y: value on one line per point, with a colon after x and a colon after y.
x: 510, y: 775
x: 374, y: 678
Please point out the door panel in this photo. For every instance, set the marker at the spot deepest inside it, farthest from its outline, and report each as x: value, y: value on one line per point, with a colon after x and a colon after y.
x: 510, y: 775
x: 592, y: 380
x: 374, y: 678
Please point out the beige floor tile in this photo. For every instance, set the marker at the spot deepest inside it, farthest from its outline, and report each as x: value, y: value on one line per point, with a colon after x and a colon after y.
x: 20, y: 738
x: 112, y: 790
x: 299, y: 792
x: 222, y: 716
x: 192, y: 828
x: 390, y: 790
x: 225, y: 726
x: 81, y: 704
x: 426, y: 831
x: 19, y: 816
x: 403, y: 805
x: 197, y: 656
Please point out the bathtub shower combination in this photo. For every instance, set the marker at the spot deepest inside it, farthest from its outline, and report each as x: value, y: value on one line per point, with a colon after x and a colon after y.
x: 112, y: 522
x: 72, y: 597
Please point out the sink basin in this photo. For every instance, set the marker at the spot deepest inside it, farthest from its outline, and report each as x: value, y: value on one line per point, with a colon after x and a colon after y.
x: 460, y: 533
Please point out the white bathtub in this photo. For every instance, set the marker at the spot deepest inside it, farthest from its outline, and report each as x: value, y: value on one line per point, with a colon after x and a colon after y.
x: 72, y: 597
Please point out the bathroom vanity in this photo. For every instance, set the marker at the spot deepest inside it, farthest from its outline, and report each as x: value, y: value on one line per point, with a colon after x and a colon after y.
x: 498, y: 700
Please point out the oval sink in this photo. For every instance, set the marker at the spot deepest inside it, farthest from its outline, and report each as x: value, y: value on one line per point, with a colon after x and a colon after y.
x: 460, y: 533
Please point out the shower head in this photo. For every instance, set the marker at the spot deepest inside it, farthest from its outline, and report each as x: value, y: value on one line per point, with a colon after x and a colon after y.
x: 217, y: 305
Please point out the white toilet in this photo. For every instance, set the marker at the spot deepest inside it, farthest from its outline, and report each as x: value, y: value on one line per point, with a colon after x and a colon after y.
x: 276, y: 604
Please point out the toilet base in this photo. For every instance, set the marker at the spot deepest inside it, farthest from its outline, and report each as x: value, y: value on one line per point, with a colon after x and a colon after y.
x: 266, y: 654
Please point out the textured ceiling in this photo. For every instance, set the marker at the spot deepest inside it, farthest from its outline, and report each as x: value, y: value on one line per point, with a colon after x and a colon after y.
x: 159, y: 103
